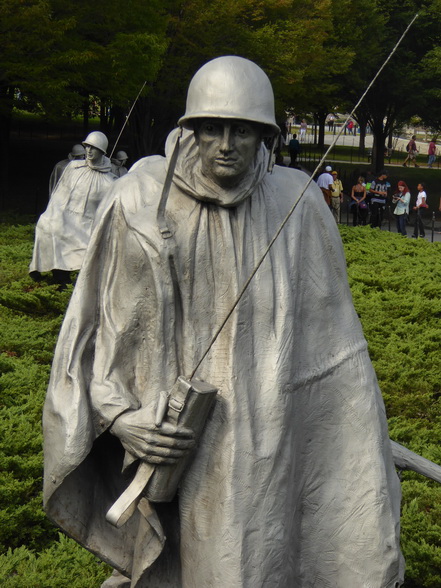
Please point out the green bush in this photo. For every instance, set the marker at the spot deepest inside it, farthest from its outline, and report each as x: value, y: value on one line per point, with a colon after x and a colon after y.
x: 62, y: 564
x: 395, y: 285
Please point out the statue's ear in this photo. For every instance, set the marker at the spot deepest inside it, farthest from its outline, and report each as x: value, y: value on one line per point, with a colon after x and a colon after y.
x: 196, y: 132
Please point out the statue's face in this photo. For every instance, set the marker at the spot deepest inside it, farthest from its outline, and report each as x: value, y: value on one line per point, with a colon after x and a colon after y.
x: 227, y: 148
x: 93, y: 154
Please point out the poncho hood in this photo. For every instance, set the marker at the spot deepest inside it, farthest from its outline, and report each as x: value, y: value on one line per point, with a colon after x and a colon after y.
x: 103, y: 165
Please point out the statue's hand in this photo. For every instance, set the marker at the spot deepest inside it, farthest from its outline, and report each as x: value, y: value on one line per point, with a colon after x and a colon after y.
x: 157, y: 445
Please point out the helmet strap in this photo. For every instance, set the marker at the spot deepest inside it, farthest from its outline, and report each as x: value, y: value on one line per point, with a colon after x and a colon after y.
x: 272, y: 156
x: 160, y: 214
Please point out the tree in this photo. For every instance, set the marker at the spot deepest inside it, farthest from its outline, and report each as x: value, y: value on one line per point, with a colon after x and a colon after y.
x: 29, y: 33
x: 55, y: 54
x: 396, y: 93
x: 285, y: 37
x: 428, y: 106
x: 112, y: 49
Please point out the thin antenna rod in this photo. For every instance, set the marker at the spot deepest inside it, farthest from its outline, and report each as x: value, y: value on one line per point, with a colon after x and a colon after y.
x: 294, y: 206
x: 127, y: 119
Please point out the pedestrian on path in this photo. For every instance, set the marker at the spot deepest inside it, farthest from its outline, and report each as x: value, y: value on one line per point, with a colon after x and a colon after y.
x: 412, y: 152
x: 431, y: 152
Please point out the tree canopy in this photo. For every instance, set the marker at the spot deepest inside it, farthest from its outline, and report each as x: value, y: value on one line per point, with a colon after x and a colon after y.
x: 319, y: 54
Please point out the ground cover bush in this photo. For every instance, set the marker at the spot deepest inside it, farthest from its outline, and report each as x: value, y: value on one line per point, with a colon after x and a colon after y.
x: 395, y: 285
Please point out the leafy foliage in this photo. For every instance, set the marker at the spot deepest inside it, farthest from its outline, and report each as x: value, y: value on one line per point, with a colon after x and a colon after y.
x: 62, y: 564
x: 395, y: 287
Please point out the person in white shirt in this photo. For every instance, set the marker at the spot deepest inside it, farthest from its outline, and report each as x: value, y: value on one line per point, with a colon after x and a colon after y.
x: 324, y: 182
x: 420, y: 203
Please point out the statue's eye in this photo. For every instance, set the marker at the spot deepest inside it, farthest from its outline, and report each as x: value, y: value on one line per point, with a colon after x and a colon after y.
x: 209, y: 128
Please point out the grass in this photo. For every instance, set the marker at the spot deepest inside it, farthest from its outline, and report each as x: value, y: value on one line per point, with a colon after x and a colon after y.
x: 395, y: 287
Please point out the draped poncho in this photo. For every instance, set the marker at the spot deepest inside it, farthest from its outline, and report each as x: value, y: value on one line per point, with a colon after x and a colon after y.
x: 293, y: 483
x: 63, y: 230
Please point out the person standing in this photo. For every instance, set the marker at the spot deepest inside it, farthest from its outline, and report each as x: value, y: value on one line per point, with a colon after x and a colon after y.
x: 350, y: 126
x: 294, y: 149
x: 336, y: 196
x: 378, y: 192
x: 324, y: 182
x: 359, y: 204
x: 331, y: 119
x: 412, y: 152
x: 303, y: 129
x: 401, y: 199
x: 431, y: 152
x: 421, y: 202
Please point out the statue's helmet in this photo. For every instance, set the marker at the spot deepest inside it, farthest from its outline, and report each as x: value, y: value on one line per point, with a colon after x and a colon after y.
x: 97, y: 139
x: 231, y: 87
x: 121, y: 156
x: 77, y: 151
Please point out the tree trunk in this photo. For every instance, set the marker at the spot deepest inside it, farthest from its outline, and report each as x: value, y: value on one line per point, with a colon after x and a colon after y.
x: 378, y: 146
x: 6, y: 102
x: 362, y: 121
x: 86, y: 116
x: 320, y: 118
x: 362, y: 142
x: 139, y: 133
x: 104, y: 117
x: 390, y: 138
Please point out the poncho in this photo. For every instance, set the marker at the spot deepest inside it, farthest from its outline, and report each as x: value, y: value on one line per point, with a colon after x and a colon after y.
x: 63, y: 230
x: 293, y: 484
x: 56, y: 174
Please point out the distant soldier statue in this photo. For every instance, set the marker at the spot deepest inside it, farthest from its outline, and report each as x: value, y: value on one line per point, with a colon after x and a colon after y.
x: 63, y: 230
x: 77, y: 152
x: 119, y: 163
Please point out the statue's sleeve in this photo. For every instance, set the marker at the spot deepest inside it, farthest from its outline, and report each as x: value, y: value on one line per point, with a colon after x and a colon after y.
x: 70, y: 416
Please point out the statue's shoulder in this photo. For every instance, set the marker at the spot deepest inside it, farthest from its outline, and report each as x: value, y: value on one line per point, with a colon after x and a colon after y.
x: 290, y: 181
x: 136, y: 194
x: 142, y: 186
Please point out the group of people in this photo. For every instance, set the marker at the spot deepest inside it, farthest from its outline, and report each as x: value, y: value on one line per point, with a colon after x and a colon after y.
x: 412, y: 152
x: 77, y: 186
x: 373, y: 197
x: 368, y: 199
x: 332, y: 190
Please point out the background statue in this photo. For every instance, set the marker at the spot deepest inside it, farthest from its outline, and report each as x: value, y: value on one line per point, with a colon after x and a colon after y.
x: 119, y: 163
x: 77, y: 152
x: 63, y: 230
x: 293, y: 481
